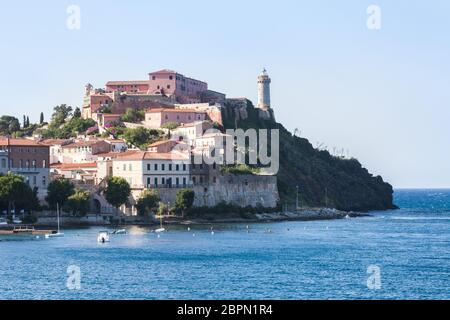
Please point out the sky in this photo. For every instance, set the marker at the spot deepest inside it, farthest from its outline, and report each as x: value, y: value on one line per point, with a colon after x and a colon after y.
x: 383, y: 95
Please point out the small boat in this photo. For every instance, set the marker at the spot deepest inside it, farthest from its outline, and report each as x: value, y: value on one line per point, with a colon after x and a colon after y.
x: 347, y: 217
x: 119, y: 231
x: 103, y: 237
x: 17, y: 221
x: 3, y: 222
x: 58, y: 233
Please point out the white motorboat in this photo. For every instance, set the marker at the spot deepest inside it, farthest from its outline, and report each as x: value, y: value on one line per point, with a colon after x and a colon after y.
x: 103, y: 237
x: 120, y: 231
x: 3, y: 222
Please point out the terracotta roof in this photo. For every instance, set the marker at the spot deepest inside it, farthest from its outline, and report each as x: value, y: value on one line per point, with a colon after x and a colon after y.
x: 146, y: 155
x: 86, y: 143
x: 116, y: 154
x: 158, y: 110
x: 74, y: 166
x: 113, y: 83
x: 159, y: 143
x: 53, y: 142
x: 20, y: 142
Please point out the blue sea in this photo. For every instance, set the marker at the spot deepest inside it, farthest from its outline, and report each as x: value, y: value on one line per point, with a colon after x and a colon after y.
x: 409, y: 249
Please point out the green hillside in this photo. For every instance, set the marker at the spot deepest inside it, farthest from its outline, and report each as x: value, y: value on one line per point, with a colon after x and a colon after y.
x: 322, y: 178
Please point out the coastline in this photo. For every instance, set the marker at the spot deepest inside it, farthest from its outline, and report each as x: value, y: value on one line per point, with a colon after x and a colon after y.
x: 310, y: 214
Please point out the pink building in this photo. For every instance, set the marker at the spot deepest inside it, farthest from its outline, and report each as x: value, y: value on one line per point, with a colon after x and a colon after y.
x: 171, y: 83
x: 155, y: 118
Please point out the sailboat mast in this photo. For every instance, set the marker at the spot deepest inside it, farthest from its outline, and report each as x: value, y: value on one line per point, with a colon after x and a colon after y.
x: 57, y: 214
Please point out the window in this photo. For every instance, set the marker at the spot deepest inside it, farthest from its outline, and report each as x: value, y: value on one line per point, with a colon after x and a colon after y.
x: 44, y: 163
x: 44, y: 181
x: 148, y: 182
x: 124, y: 167
x: 34, y: 180
x: 214, y: 179
x: 163, y: 181
x: 158, y: 87
x: 34, y: 164
x: 177, y: 167
x: 156, y: 182
x: 148, y: 167
x: 184, y: 167
x: 130, y: 167
x: 163, y: 166
x: 194, y: 180
x: 171, y: 77
x: 156, y: 167
x: 170, y: 167
x: 184, y: 181
x: 166, y: 117
x: 168, y: 86
x: 177, y: 181
x: 3, y: 163
x: 153, y: 78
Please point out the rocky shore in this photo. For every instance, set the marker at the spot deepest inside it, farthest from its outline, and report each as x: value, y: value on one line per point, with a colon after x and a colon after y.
x: 300, y: 215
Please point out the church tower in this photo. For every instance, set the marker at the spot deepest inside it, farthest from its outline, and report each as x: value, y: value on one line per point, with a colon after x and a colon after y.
x: 264, y: 90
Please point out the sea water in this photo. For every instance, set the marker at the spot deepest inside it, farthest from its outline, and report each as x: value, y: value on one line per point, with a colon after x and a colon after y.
x: 400, y: 254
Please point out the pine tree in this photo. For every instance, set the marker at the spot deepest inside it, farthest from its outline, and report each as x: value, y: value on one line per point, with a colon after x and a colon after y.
x: 24, y: 121
x: 28, y: 122
x: 41, y: 119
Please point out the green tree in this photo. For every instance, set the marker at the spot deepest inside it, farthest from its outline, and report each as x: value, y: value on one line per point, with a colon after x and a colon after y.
x: 60, y: 114
x: 78, y: 203
x: 9, y: 125
x: 141, y: 137
x: 133, y: 115
x: 184, y: 200
x: 28, y: 122
x: 170, y: 125
x: 117, y: 191
x: 16, y: 194
x: 41, y: 118
x: 59, y: 191
x: 147, y: 202
x: 77, y: 113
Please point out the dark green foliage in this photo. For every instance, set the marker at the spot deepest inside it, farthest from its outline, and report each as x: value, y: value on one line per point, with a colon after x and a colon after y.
x: 170, y: 125
x: 41, y: 118
x: 141, y: 137
x: 148, y: 202
x: 16, y: 194
x: 184, y: 200
x: 8, y: 125
x: 238, y: 169
x: 78, y: 202
x: 133, y: 115
x: 60, y: 114
x: 117, y: 191
x: 58, y: 192
x: 77, y: 113
x: 349, y: 186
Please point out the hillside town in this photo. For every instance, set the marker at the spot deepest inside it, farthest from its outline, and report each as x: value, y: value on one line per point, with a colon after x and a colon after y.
x: 156, y: 134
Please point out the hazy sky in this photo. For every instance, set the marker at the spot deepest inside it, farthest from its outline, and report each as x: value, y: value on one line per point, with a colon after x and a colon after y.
x: 382, y: 94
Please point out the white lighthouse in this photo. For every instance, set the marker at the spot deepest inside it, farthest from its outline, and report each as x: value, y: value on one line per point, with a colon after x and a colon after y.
x: 264, y: 90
